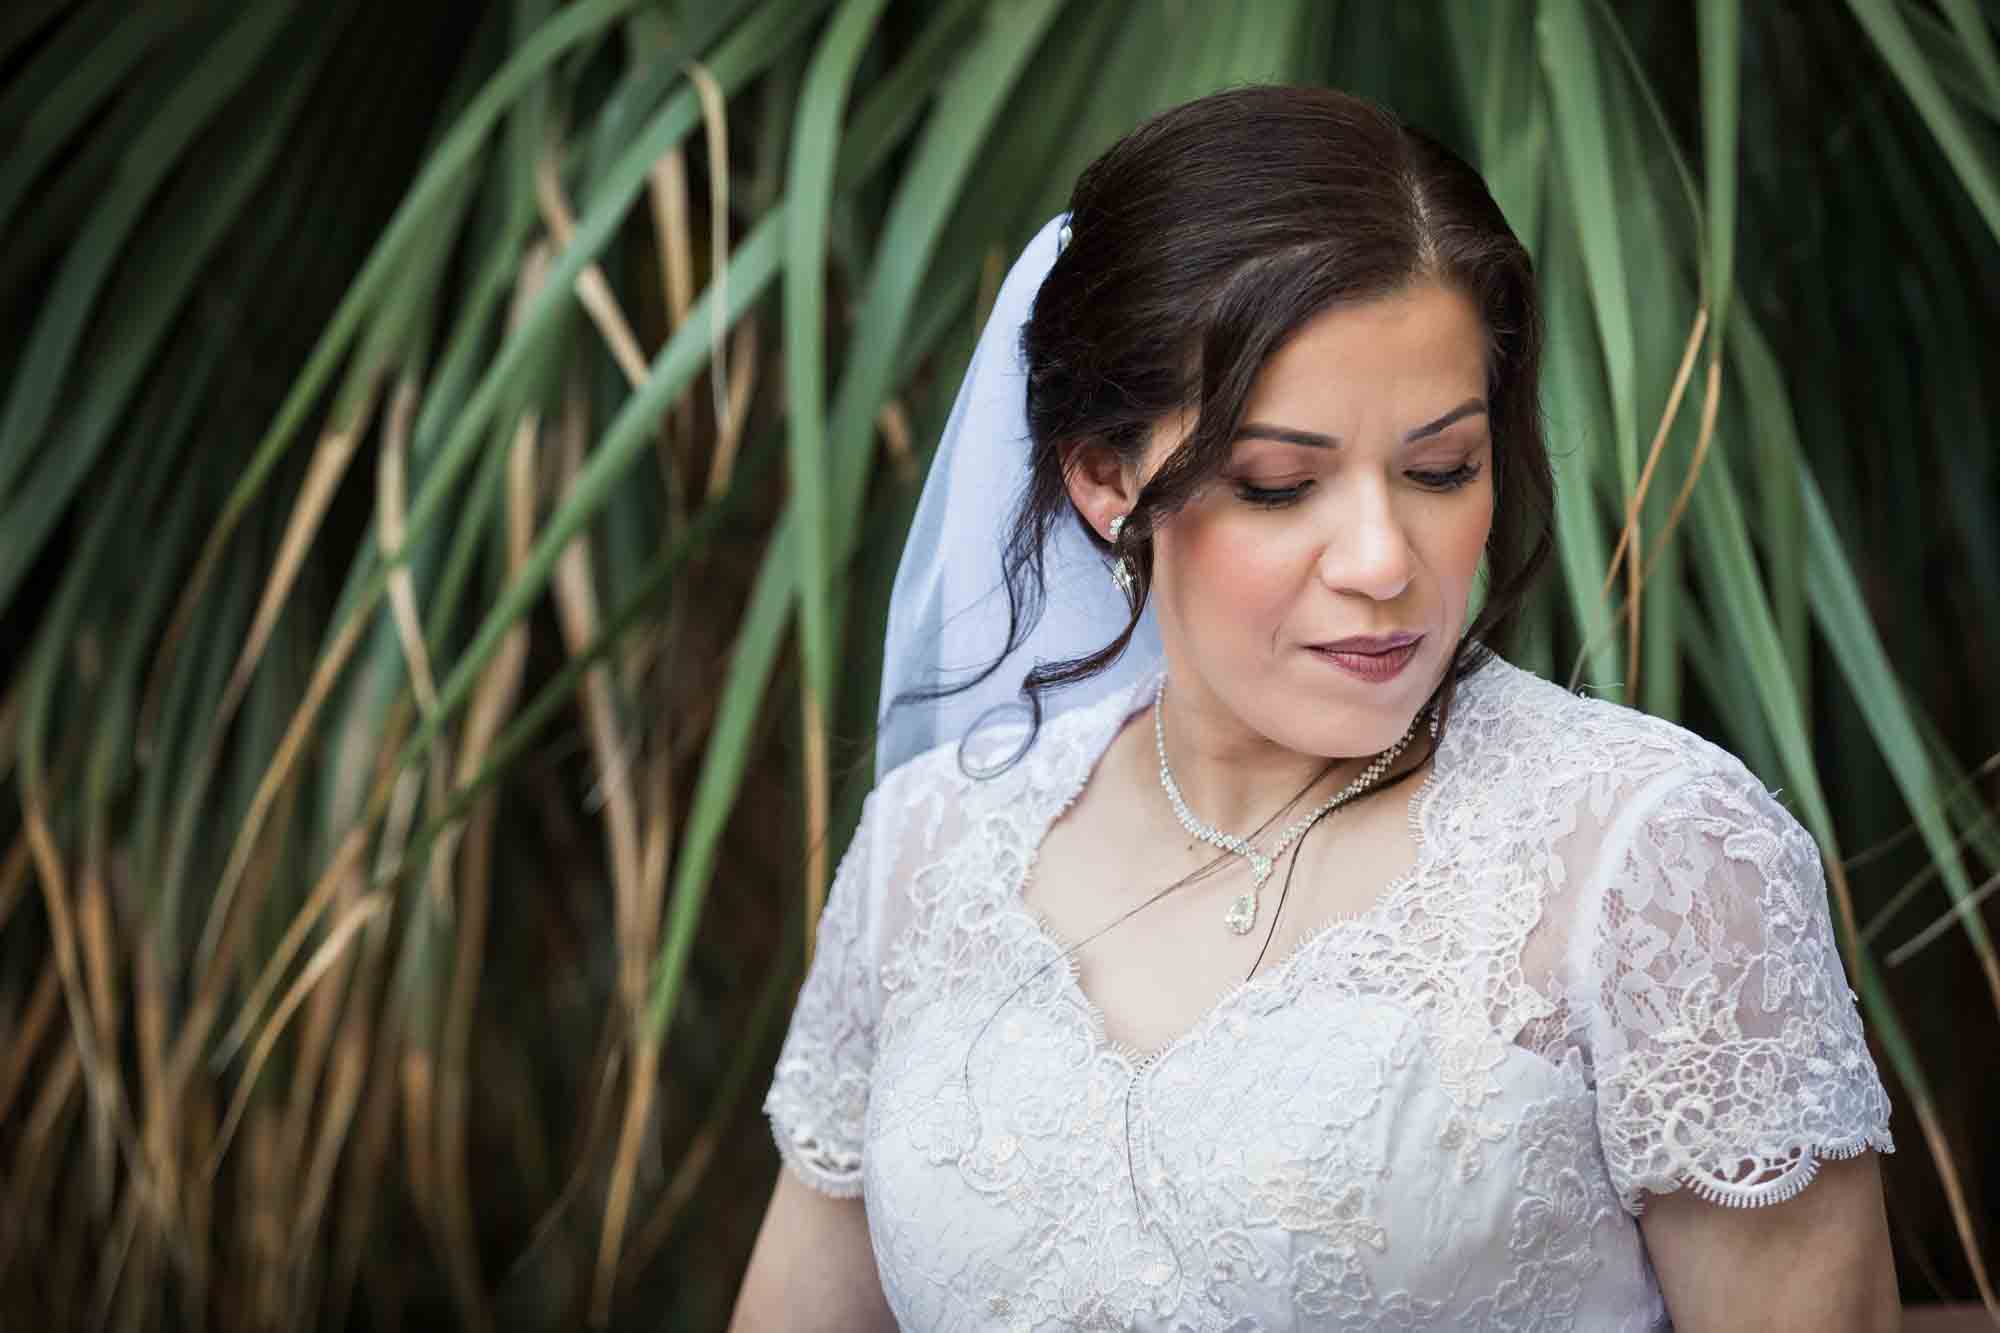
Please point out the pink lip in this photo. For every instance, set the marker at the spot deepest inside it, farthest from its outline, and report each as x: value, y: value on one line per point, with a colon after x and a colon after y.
x: 1369, y: 643
x: 1374, y: 667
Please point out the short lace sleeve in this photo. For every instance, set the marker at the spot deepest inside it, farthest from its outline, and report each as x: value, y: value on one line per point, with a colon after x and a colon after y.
x: 818, y: 1099
x: 1727, y: 1046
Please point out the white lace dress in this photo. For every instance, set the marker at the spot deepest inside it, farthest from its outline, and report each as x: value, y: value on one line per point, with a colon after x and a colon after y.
x: 1611, y: 971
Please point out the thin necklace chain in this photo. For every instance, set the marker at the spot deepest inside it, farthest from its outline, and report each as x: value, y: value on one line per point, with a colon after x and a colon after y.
x: 1242, y: 913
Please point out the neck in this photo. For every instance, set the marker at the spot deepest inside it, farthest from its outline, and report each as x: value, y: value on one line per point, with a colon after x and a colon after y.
x: 1236, y: 779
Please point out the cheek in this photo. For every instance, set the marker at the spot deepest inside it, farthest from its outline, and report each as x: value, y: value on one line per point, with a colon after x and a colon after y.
x: 1462, y: 541
x: 1221, y: 567
x: 1457, y: 545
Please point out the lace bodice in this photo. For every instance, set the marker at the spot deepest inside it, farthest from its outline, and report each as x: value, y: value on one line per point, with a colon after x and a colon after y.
x: 1611, y: 972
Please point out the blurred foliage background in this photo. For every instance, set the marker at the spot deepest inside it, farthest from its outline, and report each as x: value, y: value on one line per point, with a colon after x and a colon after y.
x: 452, y: 461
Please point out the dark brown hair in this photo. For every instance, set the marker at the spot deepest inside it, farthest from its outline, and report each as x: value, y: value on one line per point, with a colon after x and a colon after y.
x: 1199, y: 244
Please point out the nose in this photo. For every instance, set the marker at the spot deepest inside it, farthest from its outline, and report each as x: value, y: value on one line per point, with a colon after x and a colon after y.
x: 1368, y: 551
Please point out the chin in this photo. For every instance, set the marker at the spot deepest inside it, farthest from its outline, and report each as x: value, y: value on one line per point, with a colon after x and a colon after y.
x: 1365, y: 717
x: 1350, y: 732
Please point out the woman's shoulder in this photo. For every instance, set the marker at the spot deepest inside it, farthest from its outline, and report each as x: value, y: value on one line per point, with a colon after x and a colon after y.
x: 1006, y: 760
x: 1008, y: 742
x: 1629, y: 802
x: 1532, y: 734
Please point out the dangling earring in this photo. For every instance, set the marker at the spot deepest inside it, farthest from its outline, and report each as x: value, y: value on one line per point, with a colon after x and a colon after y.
x: 1121, y: 569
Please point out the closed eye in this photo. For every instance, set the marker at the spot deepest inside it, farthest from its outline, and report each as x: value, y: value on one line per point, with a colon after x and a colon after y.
x: 1276, y: 497
x: 1449, y: 480
x: 1270, y: 499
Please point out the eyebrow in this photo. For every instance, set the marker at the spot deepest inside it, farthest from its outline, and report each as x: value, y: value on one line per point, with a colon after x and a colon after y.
x: 1290, y: 435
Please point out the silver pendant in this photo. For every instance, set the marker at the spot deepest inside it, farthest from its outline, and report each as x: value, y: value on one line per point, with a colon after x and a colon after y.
x: 1243, y: 912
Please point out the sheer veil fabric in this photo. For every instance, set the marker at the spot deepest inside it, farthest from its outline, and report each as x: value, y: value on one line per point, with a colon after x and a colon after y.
x: 948, y: 608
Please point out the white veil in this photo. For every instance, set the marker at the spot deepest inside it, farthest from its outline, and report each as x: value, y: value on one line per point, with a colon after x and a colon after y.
x: 948, y: 610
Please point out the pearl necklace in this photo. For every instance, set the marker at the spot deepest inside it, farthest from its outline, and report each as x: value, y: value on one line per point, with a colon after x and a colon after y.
x: 1243, y: 912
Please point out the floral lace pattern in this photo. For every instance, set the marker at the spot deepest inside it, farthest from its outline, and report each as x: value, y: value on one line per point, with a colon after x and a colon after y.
x: 1610, y: 973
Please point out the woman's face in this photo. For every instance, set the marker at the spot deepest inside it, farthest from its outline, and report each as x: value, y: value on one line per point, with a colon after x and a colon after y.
x: 1357, y: 502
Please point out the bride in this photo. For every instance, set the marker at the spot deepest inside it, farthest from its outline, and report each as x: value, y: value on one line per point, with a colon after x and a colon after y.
x: 1250, y: 945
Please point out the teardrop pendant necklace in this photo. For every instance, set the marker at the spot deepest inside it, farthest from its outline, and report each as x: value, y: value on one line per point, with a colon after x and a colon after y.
x: 1242, y: 913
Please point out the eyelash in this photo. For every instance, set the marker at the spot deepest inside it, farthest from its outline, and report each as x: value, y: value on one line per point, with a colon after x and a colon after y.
x: 1451, y: 480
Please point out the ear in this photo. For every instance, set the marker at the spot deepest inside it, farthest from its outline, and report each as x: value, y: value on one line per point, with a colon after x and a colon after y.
x: 1101, y: 486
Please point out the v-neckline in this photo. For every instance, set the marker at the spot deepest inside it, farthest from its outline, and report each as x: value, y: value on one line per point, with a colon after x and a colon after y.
x: 1093, y: 744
